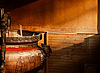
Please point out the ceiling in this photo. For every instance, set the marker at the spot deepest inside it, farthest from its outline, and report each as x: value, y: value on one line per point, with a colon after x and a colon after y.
x: 12, y: 4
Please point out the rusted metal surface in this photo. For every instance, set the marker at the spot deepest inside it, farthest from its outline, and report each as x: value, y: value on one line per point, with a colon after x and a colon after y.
x: 4, y: 24
x: 14, y: 37
x: 24, y: 39
x: 22, y: 61
x: 3, y: 40
x: 46, y: 49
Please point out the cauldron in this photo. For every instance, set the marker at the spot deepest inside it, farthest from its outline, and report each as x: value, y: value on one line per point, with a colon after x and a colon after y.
x: 22, y: 52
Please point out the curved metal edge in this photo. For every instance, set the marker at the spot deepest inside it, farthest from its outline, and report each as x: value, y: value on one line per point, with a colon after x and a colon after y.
x: 24, y: 39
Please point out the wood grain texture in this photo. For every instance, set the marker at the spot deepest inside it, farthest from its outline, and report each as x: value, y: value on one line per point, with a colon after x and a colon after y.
x: 57, y: 15
x: 72, y: 51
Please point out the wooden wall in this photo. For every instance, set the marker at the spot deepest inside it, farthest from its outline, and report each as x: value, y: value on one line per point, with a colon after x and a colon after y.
x: 71, y: 26
x: 69, y: 16
x: 72, y: 51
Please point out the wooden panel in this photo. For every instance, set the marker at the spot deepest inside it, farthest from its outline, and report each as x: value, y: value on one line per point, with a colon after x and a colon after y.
x: 68, y: 50
x: 57, y: 15
x: 61, y: 40
x: 72, y: 52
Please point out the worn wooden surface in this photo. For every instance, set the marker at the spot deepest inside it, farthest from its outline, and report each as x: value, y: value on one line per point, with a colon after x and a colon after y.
x: 57, y: 15
x: 72, y: 51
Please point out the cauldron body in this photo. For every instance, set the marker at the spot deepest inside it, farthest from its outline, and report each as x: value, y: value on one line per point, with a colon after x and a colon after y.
x: 21, y: 53
x: 21, y: 60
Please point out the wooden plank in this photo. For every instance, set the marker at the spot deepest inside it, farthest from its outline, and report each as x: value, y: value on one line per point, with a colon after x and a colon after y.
x: 65, y: 42
x: 68, y: 36
x: 65, y: 38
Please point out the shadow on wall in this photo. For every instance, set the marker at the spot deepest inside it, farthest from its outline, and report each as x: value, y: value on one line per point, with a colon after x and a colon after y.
x: 12, y: 4
x: 74, y: 58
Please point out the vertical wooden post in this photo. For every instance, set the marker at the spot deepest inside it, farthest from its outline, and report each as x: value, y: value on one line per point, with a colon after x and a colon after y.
x: 46, y: 43
x: 3, y: 41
